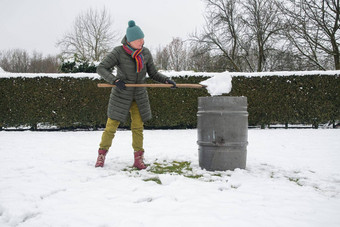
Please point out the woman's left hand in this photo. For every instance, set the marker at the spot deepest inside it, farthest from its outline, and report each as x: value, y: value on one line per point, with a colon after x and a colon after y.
x: 168, y: 81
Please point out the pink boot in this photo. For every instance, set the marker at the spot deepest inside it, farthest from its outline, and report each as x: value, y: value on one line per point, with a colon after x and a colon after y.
x: 101, y: 158
x: 139, y: 163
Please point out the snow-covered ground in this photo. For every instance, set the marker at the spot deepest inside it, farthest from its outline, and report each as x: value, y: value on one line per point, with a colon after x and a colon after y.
x: 48, y: 179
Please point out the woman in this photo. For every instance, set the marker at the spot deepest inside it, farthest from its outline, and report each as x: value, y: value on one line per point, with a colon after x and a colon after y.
x: 132, y: 62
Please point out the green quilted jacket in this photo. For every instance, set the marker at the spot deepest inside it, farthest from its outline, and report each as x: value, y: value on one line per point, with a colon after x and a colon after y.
x: 120, y: 100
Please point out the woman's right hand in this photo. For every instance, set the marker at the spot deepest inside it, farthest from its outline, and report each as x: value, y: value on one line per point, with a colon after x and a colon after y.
x: 120, y: 84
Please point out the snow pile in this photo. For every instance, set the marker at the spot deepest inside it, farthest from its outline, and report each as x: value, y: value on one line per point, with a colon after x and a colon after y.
x: 289, y: 181
x: 2, y: 71
x: 219, y: 84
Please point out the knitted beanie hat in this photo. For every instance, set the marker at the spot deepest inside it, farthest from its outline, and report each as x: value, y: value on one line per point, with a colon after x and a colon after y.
x: 133, y: 32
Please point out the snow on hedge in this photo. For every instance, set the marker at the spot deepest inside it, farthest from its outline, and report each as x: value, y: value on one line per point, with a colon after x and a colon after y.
x: 4, y: 74
x: 218, y: 84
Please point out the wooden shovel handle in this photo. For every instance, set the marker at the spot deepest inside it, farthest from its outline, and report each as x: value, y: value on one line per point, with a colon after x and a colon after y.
x: 156, y: 85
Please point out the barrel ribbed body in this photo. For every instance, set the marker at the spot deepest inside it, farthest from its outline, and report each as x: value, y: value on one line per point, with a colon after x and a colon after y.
x: 222, y: 128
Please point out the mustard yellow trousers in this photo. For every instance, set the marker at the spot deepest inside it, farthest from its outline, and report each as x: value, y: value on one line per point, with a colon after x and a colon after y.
x: 137, y: 127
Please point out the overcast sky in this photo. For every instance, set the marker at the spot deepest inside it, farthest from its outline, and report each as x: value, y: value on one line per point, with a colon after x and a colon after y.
x: 39, y: 24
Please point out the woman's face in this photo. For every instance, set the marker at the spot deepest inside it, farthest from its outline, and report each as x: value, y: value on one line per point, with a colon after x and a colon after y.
x: 137, y: 44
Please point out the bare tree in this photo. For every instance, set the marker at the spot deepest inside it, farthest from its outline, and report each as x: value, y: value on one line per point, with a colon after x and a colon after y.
x: 177, y: 54
x: 263, y: 20
x: 314, y: 29
x: 91, y: 37
x: 36, y: 62
x: 199, y: 58
x: 243, y: 31
x: 162, y: 58
x: 222, y: 31
x: 40, y: 64
x: 173, y: 57
x: 16, y: 60
x: 20, y: 61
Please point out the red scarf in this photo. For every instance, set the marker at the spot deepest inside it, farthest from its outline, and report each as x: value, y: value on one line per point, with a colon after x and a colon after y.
x: 137, y: 55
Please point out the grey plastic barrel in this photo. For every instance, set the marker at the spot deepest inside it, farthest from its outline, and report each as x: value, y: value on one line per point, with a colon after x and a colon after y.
x: 222, y: 128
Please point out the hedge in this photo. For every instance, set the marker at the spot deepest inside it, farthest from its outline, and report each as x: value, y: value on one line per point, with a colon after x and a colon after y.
x: 69, y: 102
x: 310, y: 99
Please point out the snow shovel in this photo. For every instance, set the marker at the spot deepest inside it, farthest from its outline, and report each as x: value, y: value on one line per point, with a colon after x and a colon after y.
x: 157, y: 85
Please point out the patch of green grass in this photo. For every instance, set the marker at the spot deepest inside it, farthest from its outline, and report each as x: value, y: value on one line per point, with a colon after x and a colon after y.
x: 295, y: 180
x: 127, y: 170
x: 155, y: 179
x: 194, y: 176
x: 182, y: 168
x: 173, y: 167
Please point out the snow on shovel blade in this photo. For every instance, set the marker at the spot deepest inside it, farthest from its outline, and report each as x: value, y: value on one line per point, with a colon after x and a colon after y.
x: 219, y: 84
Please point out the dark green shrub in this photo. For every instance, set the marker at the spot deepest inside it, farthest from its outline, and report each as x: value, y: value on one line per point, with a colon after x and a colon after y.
x: 68, y: 102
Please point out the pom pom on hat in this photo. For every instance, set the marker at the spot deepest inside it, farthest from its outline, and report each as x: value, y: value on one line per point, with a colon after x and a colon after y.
x: 131, y: 23
x: 133, y: 32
